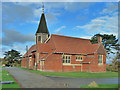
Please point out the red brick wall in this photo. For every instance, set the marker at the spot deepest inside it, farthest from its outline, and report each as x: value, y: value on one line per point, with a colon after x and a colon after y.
x: 71, y: 68
x: 24, y: 63
x: 68, y: 69
x: 86, y: 68
x: 77, y: 68
x: 98, y: 68
x: 53, y: 63
x: 32, y: 63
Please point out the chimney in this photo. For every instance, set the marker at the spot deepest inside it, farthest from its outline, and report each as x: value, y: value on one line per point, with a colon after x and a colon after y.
x: 99, y: 39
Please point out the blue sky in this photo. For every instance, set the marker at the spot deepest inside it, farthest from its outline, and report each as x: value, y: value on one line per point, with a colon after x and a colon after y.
x: 82, y: 19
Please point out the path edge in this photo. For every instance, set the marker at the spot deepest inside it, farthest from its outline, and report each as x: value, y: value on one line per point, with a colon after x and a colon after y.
x: 16, y: 80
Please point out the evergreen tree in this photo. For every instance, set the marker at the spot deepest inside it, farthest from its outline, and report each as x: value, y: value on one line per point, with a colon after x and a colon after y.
x: 108, y: 41
x: 11, y: 57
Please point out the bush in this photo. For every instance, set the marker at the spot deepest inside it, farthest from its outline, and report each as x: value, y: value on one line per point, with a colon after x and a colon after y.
x: 112, y: 67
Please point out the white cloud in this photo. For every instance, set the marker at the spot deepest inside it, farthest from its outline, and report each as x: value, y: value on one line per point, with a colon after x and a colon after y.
x: 37, y: 12
x: 104, y: 24
x: 37, y: 22
x: 19, y: 48
x: 83, y: 36
x: 72, y: 7
x: 30, y: 11
x: 59, y: 29
x: 110, y: 8
x: 86, y: 37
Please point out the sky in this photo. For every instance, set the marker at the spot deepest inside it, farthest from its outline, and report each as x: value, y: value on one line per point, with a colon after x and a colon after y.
x: 75, y: 19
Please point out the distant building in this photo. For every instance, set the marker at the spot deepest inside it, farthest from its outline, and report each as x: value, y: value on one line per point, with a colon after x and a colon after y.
x: 61, y: 53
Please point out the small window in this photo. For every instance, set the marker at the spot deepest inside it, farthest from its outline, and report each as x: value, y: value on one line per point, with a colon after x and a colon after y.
x: 79, y: 58
x: 100, y: 59
x: 39, y: 38
x: 69, y: 59
x: 66, y: 59
x: 76, y: 58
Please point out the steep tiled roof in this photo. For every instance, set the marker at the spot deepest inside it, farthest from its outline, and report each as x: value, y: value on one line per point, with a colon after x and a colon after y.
x: 94, y: 47
x: 43, y: 47
x: 101, y: 49
x: 73, y: 45
x: 65, y: 44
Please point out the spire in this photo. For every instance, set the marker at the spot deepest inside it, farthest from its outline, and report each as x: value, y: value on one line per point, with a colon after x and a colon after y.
x: 42, y: 28
x: 42, y: 33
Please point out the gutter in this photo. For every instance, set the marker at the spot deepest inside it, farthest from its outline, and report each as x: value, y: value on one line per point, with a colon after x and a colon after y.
x: 73, y: 53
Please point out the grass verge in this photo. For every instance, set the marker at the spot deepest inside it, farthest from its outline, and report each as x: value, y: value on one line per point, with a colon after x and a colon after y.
x: 7, y: 77
x: 76, y: 74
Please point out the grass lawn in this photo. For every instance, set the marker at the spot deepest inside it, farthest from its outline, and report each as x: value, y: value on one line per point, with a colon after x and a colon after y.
x: 102, y: 86
x: 7, y: 77
x: 76, y: 74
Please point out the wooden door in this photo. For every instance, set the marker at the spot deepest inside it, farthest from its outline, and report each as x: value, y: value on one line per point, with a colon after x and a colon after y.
x: 41, y: 65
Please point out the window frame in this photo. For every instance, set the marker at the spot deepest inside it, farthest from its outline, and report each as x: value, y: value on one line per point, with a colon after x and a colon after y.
x: 39, y: 38
x: 66, y: 59
x: 101, y: 58
x: 78, y: 58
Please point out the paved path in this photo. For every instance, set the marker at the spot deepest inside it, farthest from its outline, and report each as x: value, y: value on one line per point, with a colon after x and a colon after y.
x: 31, y: 80
x: 77, y: 82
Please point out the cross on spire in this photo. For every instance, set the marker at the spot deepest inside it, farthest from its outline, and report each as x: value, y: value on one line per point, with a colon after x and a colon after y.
x: 42, y: 7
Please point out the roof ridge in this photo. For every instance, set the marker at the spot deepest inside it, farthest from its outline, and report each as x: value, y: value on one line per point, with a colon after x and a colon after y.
x: 68, y: 37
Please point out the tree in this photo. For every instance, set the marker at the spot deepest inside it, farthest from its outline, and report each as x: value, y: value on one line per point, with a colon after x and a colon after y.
x: 12, y: 57
x: 108, y: 41
x: 116, y: 60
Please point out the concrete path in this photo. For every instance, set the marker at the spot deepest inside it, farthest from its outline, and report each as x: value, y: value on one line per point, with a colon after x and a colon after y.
x: 77, y: 82
x: 31, y: 80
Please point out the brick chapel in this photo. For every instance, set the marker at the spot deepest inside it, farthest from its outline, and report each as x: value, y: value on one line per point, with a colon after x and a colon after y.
x: 57, y: 53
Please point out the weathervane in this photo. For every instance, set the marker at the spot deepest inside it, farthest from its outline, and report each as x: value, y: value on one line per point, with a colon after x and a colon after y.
x: 42, y: 7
